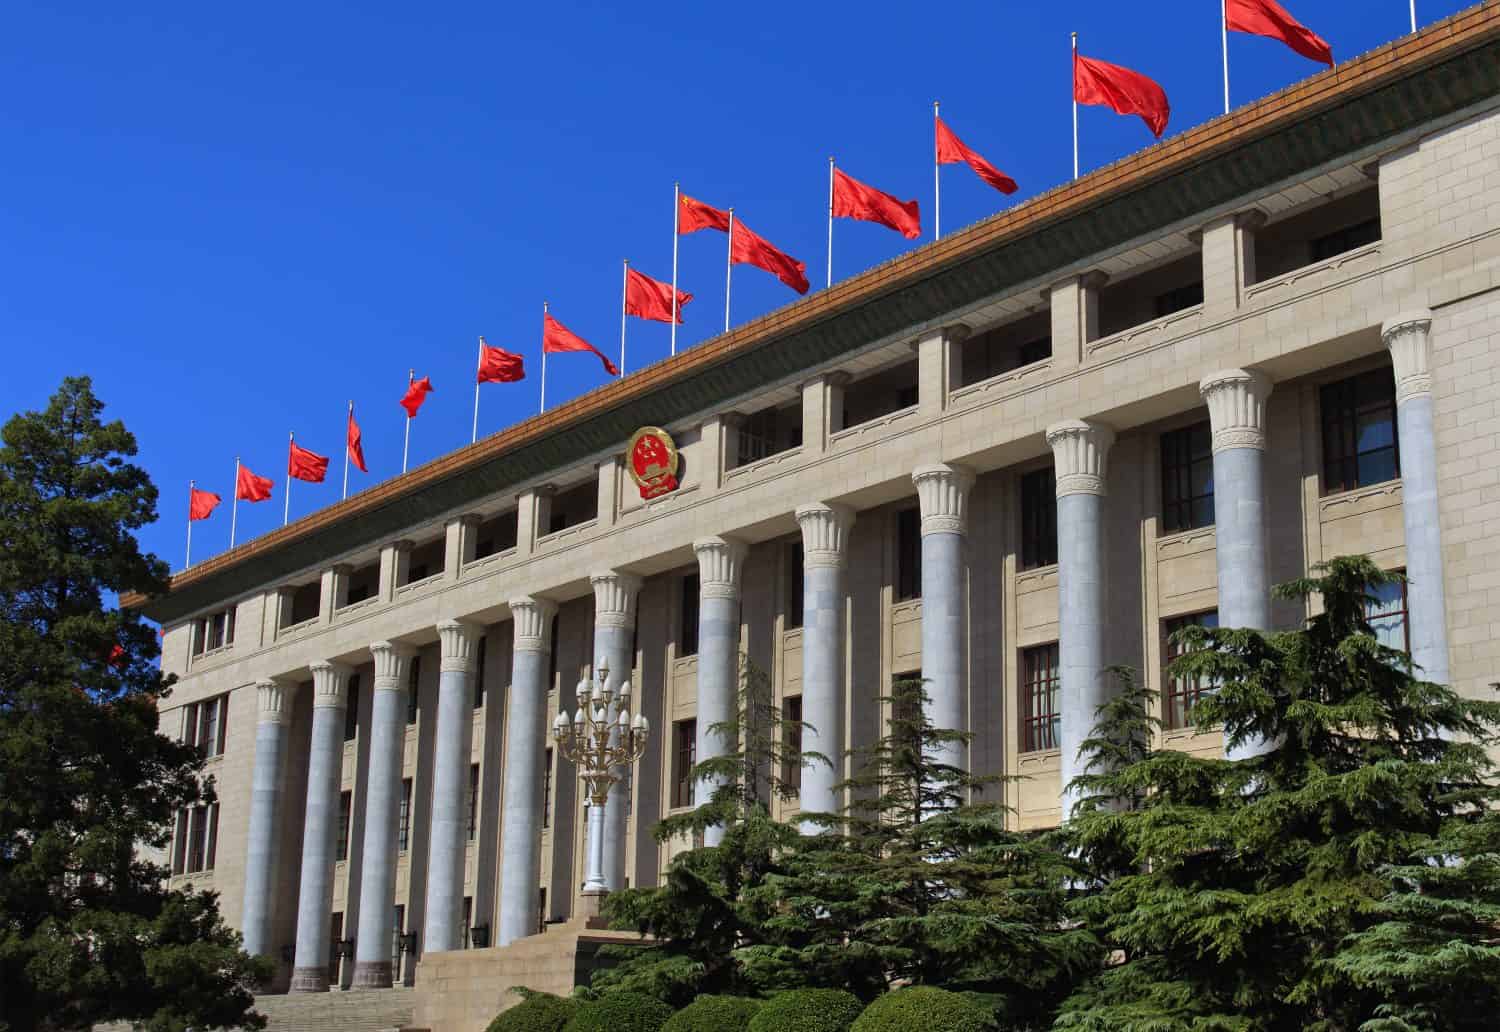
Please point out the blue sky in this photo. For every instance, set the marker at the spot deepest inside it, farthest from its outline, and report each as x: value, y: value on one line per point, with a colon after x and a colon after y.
x: 239, y: 219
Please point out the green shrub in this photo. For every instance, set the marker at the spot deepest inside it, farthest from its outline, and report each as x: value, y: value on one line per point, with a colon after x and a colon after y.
x: 808, y: 1010
x: 620, y: 1012
x: 539, y: 1012
x: 924, y: 1008
x: 714, y: 1014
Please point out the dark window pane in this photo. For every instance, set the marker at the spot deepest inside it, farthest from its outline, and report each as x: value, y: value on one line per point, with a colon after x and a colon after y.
x: 1187, y: 478
x: 1040, y: 717
x: 1183, y: 693
x: 908, y: 554
x: 1360, y: 444
x: 793, y: 579
x: 687, y: 640
x: 1038, y: 519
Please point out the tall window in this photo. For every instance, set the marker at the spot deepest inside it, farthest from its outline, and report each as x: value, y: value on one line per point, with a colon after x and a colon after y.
x: 908, y: 554
x: 196, y: 839
x: 1183, y: 693
x: 1359, y: 431
x: 413, y: 690
x: 1040, y: 720
x: 398, y: 928
x: 791, y: 741
x: 403, y: 817
x: 684, y: 758
x: 1187, y: 478
x: 351, y: 710
x: 552, y: 654
x: 1038, y: 519
x: 212, y: 632
x: 792, y: 580
x: 336, y: 933
x: 346, y: 810
x: 1387, y: 612
x: 473, y: 800
x: 547, y: 789
x: 468, y: 920
x: 206, y: 725
x: 479, y: 657
x: 687, y: 639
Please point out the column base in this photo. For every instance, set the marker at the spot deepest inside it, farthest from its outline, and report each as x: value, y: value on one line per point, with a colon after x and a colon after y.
x: 309, y: 980
x: 590, y: 907
x: 372, y: 974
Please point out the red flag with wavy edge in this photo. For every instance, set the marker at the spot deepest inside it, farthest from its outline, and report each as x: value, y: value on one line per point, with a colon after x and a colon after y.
x: 1125, y: 91
x: 201, y: 504
x: 556, y: 337
x: 416, y: 393
x: 1268, y: 18
x: 251, y: 488
x: 354, y: 443
x: 647, y: 298
x: 302, y: 464
x: 496, y: 365
x: 855, y: 200
x: 695, y: 215
x: 746, y: 248
x: 951, y: 150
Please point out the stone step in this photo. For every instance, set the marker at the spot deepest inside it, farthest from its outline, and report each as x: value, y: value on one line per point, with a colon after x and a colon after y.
x: 369, y: 1010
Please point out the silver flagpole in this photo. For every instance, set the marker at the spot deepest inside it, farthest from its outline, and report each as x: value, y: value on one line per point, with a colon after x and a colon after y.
x: 347, y: 425
x: 830, y: 220
x: 234, y: 506
x: 728, y: 270
x: 937, y: 181
x: 676, y: 211
x: 192, y: 486
x: 1413, y: 15
x: 624, y: 295
x: 411, y: 375
x: 1075, y: 105
x: 544, y: 358
x: 286, y: 508
x: 478, y: 363
x: 1224, y: 40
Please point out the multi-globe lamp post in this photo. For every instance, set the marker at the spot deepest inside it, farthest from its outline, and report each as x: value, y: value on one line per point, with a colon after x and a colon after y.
x: 601, y: 740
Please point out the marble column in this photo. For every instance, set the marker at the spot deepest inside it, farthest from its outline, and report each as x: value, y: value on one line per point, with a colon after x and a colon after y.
x: 614, y: 643
x: 943, y: 492
x: 263, y: 848
x: 525, y: 743
x: 825, y: 558
x: 1080, y: 451
x: 720, y: 561
x: 325, y: 765
x: 1407, y: 337
x: 452, y: 751
x: 377, y: 893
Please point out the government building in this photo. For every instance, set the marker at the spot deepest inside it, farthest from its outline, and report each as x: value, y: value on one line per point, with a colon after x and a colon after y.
x: 1003, y: 462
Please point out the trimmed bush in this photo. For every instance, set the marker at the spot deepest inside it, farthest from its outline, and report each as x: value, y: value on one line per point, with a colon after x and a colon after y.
x: 924, y: 1008
x: 808, y: 1010
x: 620, y: 1012
x: 714, y: 1014
x: 539, y: 1012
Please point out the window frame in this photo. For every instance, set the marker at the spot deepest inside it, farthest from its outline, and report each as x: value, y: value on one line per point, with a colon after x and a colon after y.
x: 908, y: 579
x: 1038, y: 519
x: 1184, y: 451
x: 1040, y: 731
x: 1187, y: 692
x: 684, y: 759
x: 687, y: 623
x: 791, y: 742
x: 403, y: 818
x: 1340, y: 412
x: 344, y: 827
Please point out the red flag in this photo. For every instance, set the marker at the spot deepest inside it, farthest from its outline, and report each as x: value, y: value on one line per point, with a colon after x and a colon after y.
x: 854, y: 200
x: 1127, y: 92
x: 695, y: 215
x: 354, y: 443
x: 496, y: 365
x: 745, y: 248
x: 1270, y: 19
x: 416, y: 393
x: 557, y: 337
x: 201, y: 504
x: 950, y: 149
x: 305, y: 465
x: 252, y: 488
x: 647, y: 298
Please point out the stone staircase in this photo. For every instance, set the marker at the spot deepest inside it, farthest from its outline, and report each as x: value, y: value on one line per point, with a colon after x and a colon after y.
x: 370, y: 1010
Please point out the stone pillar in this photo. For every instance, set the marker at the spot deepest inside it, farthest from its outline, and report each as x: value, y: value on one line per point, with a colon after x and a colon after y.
x: 1407, y: 337
x: 525, y: 742
x: 263, y: 848
x: 943, y: 492
x: 377, y: 893
x: 452, y: 748
x: 720, y: 561
x: 614, y: 643
x: 325, y: 765
x: 1080, y: 451
x: 825, y: 556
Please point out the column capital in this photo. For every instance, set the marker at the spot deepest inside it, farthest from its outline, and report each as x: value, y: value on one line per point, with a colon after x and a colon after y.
x: 458, y: 645
x: 614, y: 598
x: 720, y: 563
x: 392, y: 662
x: 532, y: 617
x: 1236, y: 400
x: 330, y: 684
x: 943, y: 493
x: 825, y: 534
x: 273, y: 702
x: 1080, y: 452
x: 1408, y: 339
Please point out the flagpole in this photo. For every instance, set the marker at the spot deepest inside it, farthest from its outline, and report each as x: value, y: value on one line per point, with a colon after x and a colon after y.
x: 1413, y: 15
x: 830, y: 220
x: 411, y: 375
x: 192, y: 486
x: 1075, y: 105
x: 937, y: 182
x: 478, y: 364
x: 234, y: 507
x: 676, y: 214
x: 544, y: 358
x: 286, y: 508
x: 624, y: 294
x: 728, y: 270
x: 1224, y: 41
x: 346, y: 448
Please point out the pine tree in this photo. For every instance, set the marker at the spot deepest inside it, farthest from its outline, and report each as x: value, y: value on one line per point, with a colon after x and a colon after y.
x: 1230, y: 887
x: 88, y: 930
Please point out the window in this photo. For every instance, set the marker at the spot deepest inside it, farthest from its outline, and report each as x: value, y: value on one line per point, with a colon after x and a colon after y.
x: 552, y: 660
x: 336, y: 934
x: 479, y: 658
x: 473, y: 800
x: 351, y: 710
x: 792, y: 577
x: 684, y: 758
x: 215, y: 631
x: 403, y: 817
x: 1346, y: 239
x: 1040, y: 720
x: 1187, y: 478
x: 1038, y: 519
x: 1178, y: 299
x: 179, y: 842
x: 1359, y: 431
x: 413, y: 690
x: 541, y: 909
x: 205, y: 725
x: 1386, y: 609
x: 908, y: 554
x: 398, y: 926
x: 687, y: 639
x: 1183, y: 693
x: 346, y: 810
x: 196, y: 839
x: 791, y: 742
x: 468, y: 920
x: 547, y: 789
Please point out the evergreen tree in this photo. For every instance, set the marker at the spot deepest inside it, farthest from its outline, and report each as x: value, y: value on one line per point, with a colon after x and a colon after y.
x: 1232, y: 885
x: 88, y: 931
